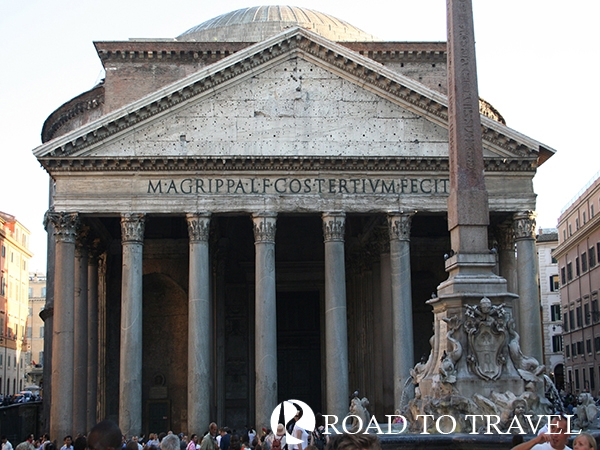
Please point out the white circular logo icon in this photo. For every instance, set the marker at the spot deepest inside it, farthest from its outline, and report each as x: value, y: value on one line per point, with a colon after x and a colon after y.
x: 286, y: 411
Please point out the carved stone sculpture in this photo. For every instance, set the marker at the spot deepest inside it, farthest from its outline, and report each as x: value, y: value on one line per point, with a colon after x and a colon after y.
x: 361, y: 416
x: 586, y: 411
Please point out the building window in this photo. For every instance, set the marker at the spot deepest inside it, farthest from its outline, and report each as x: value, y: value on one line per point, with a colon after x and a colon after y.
x: 3, y: 251
x: 555, y: 312
x: 572, y: 319
x: 577, y: 379
x: 576, y: 223
x: 584, y: 262
x: 592, y: 379
x: 568, y: 351
x: 580, y: 347
x: 41, y: 332
x: 597, y: 344
x: 592, y: 255
x: 588, y: 316
x: 579, y: 317
x: 584, y: 218
x: 44, y: 292
x: 588, y: 346
x: 595, y: 312
x: 591, y: 211
x: 41, y: 360
x: 570, y: 231
x: 569, y: 271
x: 554, y: 284
x: 554, y: 261
x: 573, y: 350
x: 557, y: 343
x: 563, y: 276
x: 577, y: 271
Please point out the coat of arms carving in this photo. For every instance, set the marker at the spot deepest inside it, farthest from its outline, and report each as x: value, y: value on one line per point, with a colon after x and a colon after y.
x: 485, y: 325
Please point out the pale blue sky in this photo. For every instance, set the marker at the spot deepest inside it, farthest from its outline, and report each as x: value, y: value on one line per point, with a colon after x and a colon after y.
x: 536, y: 65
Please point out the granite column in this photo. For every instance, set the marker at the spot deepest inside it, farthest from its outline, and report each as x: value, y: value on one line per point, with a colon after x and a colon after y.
x: 199, y: 323
x: 530, y: 322
x: 92, y: 355
x: 403, y: 341
x: 130, y: 369
x: 61, y: 409
x: 265, y: 314
x: 336, y: 326
x: 80, y: 362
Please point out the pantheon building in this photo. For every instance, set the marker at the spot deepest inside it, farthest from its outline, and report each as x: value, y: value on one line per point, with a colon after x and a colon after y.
x: 255, y: 211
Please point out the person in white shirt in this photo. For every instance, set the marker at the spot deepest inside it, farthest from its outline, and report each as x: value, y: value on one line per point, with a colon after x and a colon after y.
x: 555, y: 439
x: 6, y: 445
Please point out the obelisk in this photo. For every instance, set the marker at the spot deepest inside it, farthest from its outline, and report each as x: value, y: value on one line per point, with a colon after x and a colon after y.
x: 468, y: 215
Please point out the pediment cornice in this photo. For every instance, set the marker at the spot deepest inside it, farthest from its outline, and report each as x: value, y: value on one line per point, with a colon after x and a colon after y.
x: 346, y: 63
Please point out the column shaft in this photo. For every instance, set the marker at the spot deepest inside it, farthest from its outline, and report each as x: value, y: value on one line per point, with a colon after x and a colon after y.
x: 61, y: 409
x: 92, y: 365
x: 265, y: 314
x: 80, y: 336
x: 199, y: 324
x: 403, y: 340
x: 130, y: 368
x: 530, y: 323
x: 336, y: 326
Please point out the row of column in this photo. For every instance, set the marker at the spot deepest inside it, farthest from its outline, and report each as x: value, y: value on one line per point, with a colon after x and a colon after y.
x: 75, y: 344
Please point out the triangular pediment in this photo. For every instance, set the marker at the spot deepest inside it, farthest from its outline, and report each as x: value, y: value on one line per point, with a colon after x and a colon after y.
x: 296, y: 94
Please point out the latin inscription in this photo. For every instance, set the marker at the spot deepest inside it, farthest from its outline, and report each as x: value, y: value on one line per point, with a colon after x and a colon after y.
x: 297, y: 186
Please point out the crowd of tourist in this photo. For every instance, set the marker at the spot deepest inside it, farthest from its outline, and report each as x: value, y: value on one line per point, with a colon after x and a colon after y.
x: 106, y: 435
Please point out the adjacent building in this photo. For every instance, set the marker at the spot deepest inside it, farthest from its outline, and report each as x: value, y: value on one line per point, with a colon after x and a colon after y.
x: 547, y: 241
x: 35, y: 328
x: 577, y: 256
x: 14, y: 306
x: 227, y: 212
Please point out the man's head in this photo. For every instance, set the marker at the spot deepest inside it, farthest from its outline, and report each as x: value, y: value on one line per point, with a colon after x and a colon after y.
x: 105, y: 435
x: 68, y: 440
x: 170, y: 442
x: 354, y: 442
x: 212, y: 428
x: 557, y: 430
x: 4, y: 439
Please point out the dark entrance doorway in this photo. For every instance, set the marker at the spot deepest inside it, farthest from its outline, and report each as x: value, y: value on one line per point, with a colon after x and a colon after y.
x: 299, y: 347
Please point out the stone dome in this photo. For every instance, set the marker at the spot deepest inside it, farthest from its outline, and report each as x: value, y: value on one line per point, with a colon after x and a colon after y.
x: 261, y: 22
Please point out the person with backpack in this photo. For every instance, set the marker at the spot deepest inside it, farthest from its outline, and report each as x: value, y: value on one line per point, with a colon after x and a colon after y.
x: 277, y: 441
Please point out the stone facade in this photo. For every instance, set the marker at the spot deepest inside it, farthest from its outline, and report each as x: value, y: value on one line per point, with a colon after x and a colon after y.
x: 577, y: 256
x: 546, y: 242
x: 291, y: 193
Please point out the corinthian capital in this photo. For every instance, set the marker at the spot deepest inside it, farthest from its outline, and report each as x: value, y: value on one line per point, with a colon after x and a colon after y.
x: 132, y: 227
x: 198, y: 226
x: 264, y: 225
x: 64, y: 224
x: 399, y: 226
x: 524, y: 223
x: 334, y: 226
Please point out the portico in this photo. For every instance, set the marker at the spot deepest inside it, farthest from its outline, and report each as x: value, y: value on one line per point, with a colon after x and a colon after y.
x: 270, y: 225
